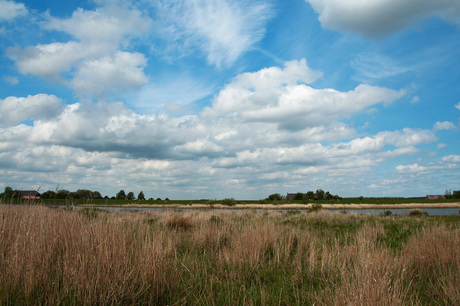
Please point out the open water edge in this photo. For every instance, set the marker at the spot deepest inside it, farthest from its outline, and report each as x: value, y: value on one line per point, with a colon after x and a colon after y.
x: 376, y: 211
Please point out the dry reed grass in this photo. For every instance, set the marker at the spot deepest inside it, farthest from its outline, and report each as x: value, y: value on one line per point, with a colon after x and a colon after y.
x: 51, y: 256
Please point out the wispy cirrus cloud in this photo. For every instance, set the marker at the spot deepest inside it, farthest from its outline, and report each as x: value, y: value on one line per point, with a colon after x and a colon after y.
x: 222, y: 29
x: 371, y: 66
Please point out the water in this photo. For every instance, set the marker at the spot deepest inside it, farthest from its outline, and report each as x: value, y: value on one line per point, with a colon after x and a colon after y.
x: 403, y: 211
x: 376, y: 211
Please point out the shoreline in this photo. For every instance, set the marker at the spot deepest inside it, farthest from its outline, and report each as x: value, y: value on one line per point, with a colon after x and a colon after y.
x: 287, y: 206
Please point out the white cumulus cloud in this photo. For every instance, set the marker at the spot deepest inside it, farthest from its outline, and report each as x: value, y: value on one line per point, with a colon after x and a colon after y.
x: 103, y: 25
x: 93, y: 64
x: 9, y: 10
x: 16, y: 109
x: 276, y: 95
x: 379, y: 17
x: 120, y: 72
x: 445, y: 125
x: 451, y: 159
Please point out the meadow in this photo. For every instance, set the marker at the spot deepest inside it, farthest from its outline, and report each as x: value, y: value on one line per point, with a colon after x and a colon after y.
x: 206, y: 257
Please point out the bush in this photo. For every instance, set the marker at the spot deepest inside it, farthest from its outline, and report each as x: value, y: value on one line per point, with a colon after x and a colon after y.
x: 275, y: 197
x: 417, y: 212
x: 90, y: 212
x: 216, y: 219
x: 228, y: 201
x: 292, y: 212
x: 315, y: 207
x: 387, y: 213
x: 180, y: 223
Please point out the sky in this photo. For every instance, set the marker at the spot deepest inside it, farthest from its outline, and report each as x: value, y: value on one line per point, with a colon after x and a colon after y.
x: 193, y: 99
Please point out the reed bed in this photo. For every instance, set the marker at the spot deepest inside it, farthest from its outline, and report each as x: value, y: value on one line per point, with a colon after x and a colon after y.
x: 62, y: 256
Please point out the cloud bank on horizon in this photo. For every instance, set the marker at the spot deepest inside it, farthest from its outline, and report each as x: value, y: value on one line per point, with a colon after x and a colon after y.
x: 215, y: 99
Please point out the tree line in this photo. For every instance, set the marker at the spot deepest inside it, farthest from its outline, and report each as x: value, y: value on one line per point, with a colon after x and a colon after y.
x: 11, y: 193
x: 319, y: 194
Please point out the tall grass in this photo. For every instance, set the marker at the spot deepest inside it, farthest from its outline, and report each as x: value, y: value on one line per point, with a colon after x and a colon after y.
x: 57, y: 256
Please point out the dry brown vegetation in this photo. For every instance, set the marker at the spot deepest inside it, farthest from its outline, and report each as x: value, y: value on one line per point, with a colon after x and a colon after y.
x: 57, y: 256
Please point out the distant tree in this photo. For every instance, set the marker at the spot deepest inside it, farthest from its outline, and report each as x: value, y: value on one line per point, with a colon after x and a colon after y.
x: 97, y: 195
x: 82, y: 194
x: 48, y: 195
x: 131, y: 196
x: 167, y: 199
x: 158, y: 199
x: 62, y: 194
x: 141, y: 196
x: 121, y: 195
x: 319, y: 194
x: 275, y: 197
x: 310, y: 195
x: 298, y: 196
x: 456, y: 194
x: 8, y: 193
x: 74, y: 195
x: 328, y: 196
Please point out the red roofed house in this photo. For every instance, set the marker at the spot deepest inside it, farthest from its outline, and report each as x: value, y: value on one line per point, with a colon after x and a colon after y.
x: 435, y: 197
x: 30, y: 194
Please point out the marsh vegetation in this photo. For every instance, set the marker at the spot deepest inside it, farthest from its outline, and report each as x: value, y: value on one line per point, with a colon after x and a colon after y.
x: 65, y: 256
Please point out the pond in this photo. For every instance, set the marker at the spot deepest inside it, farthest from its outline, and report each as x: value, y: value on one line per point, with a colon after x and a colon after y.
x: 376, y: 211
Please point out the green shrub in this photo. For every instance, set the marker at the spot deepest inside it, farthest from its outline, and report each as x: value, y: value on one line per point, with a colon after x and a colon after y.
x: 90, y: 212
x: 387, y: 213
x: 228, y: 201
x: 292, y: 212
x: 315, y: 207
x: 417, y: 212
x: 151, y: 221
x: 216, y: 219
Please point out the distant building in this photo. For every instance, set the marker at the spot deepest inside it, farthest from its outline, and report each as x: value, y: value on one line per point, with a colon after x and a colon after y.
x: 290, y: 196
x: 434, y: 197
x: 30, y: 194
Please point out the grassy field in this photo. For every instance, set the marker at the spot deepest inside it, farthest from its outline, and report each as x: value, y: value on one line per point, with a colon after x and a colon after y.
x: 64, y: 256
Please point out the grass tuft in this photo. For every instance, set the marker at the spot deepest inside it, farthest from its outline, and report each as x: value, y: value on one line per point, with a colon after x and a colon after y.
x: 180, y: 223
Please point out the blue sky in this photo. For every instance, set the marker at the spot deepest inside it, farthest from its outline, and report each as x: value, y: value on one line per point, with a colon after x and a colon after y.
x: 219, y: 98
